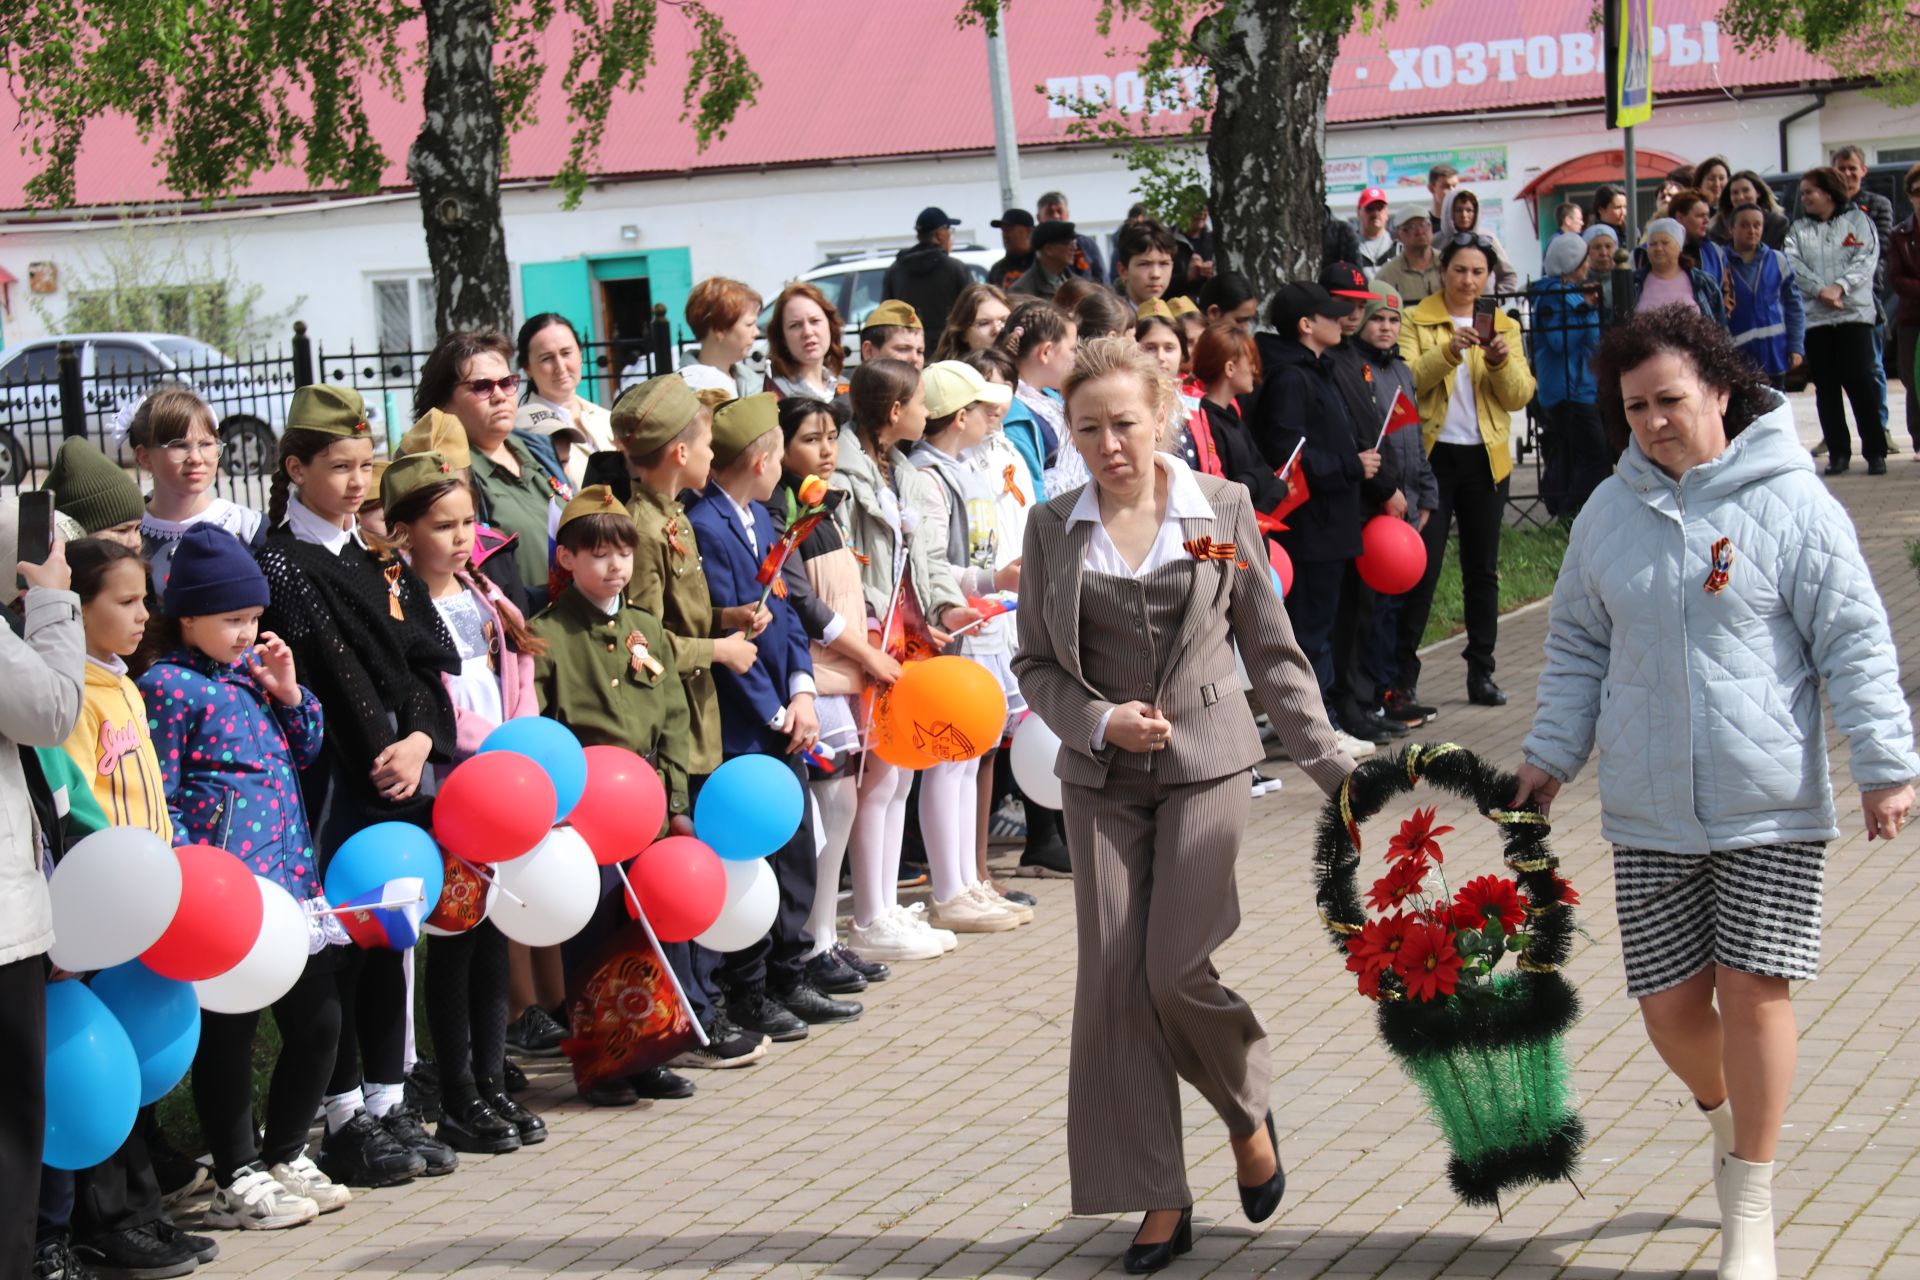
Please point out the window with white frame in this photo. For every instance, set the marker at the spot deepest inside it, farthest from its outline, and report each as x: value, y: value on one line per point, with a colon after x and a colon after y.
x: 403, y: 312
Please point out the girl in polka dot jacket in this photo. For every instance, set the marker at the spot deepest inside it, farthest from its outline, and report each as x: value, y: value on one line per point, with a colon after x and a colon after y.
x: 233, y: 727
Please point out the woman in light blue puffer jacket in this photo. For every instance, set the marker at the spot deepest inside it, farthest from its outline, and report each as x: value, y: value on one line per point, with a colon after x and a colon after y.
x: 1710, y: 587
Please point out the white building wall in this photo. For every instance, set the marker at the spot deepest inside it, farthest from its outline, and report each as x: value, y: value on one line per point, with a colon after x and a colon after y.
x: 767, y: 227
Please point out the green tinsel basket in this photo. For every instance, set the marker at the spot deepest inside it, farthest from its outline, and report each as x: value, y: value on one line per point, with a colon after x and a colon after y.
x: 1492, y: 1064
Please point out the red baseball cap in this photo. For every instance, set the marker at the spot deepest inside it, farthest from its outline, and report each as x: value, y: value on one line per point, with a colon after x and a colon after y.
x: 1372, y: 195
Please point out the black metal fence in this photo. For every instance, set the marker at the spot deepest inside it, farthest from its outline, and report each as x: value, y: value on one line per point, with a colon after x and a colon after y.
x: 90, y: 385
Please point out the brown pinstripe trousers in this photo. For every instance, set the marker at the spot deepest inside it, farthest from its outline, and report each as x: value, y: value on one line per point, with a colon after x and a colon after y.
x: 1154, y: 895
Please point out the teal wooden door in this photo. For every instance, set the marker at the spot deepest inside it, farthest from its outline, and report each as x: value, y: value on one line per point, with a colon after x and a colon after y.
x: 565, y: 287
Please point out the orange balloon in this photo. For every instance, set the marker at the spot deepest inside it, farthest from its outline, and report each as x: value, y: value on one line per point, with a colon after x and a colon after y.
x: 948, y: 708
x: 882, y: 740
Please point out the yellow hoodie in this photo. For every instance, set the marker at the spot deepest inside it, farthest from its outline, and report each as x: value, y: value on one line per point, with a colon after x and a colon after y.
x: 113, y: 745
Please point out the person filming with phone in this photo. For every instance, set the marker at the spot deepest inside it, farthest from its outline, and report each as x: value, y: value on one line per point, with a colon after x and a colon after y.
x: 1470, y: 377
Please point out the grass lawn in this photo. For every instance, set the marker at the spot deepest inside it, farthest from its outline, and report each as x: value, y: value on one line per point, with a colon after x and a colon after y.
x: 1529, y: 564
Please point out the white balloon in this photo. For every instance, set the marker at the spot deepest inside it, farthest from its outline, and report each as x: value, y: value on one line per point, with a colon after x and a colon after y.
x: 270, y: 969
x: 548, y: 895
x: 114, y: 894
x: 753, y: 897
x: 1032, y: 757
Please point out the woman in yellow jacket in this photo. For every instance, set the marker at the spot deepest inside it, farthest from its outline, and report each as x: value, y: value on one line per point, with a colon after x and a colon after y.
x: 1468, y: 389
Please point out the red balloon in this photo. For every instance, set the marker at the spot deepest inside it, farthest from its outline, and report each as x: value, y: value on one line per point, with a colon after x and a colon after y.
x: 218, y: 919
x: 1393, y: 558
x: 623, y: 808
x: 1282, y: 564
x: 494, y: 807
x: 681, y: 886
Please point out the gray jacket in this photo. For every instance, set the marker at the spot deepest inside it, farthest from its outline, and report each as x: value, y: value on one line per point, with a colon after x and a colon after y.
x: 1705, y: 704
x: 1843, y: 250
x: 911, y: 538
x: 1406, y: 457
x: 41, y: 678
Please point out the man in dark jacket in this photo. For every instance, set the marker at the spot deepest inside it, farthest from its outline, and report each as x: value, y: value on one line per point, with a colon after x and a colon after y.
x: 1054, y: 247
x: 1301, y: 406
x: 1016, y: 237
x: 928, y: 277
x: 1087, y: 262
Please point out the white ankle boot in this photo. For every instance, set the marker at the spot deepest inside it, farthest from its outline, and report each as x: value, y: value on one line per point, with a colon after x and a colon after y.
x: 1720, y: 1119
x: 1745, y: 1192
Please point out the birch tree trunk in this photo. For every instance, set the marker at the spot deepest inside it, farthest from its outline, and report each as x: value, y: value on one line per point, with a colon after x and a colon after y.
x: 1271, y: 68
x: 455, y: 165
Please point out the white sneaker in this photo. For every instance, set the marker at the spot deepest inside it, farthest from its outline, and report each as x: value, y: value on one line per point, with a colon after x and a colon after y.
x: 987, y: 893
x: 1356, y: 748
x: 302, y: 1177
x: 256, y: 1202
x: 915, y: 918
x: 891, y: 938
x: 967, y: 912
x: 1263, y: 785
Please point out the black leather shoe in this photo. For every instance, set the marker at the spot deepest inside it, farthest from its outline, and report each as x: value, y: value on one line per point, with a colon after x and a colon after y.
x: 1483, y: 692
x: 757, y: 1011
x: 1373, y: 727
x: 513, y: 1077
x: 658, y: 1082
x: 1836, y: 468
x: 814, y: 1007
x: 532, y: 1128
x: 467, y: 1123
x: 871, y: 970
x: 829, y: 973
x: 609, y: 1093
x: 403, y: 1122
x: 362, y: 1153
x: 1876, y: 466
x: 1144, y: 1258
x: 1261, y: 1201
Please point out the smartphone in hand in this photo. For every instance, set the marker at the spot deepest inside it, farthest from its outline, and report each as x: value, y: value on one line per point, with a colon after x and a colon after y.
x: 36, y: 529
x: 1483, y: 312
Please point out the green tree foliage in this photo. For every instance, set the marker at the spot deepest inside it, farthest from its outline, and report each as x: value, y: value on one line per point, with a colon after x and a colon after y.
x: 1875, y: 40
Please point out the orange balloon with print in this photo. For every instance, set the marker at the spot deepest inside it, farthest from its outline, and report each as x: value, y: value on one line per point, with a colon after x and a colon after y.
x: 948, y: 708
x: 892, y: 747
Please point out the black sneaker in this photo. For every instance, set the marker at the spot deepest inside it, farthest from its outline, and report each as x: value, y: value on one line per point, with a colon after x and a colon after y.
x: 205, y: 1248
x: 727, y: 1046
x: 361, y: 1153
x: 1404, y: 708
x: 469, y: 1124
x: 758, y: 1011
x: 608, y: 1093
x: 1876, y: 466
x: 1014, y: 895
x: 535, y: 1033
x: 661, y: 1084
x: 138, y: 1253
x: 871, y: 970
x: 815, y: 1007
x: 53, y: 1260
x: 404, y: 1123
x: 829, y: 973
x: 1371, y: 726
x: 532, y: 1128
x: 513, y: 1077
x: 179, y: 1176
x: 1048, y: 860
x: 423, y: 1089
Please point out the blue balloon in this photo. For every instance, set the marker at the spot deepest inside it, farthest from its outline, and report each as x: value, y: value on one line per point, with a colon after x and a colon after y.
x: 384, y: 851
x: 161, y: 1018
x: 749, y: 806
x: 552, y: 746
x: 1277, y: 588
x: 93, y: 1079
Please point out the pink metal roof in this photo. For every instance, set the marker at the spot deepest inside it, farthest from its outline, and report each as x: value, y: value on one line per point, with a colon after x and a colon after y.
x: 849, y: 79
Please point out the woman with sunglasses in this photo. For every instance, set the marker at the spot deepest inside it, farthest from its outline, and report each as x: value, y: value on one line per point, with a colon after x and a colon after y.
x: 516, y: 477
x: 1903, y: 277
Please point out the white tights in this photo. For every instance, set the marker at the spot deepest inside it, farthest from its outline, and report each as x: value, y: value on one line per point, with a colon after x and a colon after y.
x: 879, y: 825
x: 949, y: 807
x: 836, y: 801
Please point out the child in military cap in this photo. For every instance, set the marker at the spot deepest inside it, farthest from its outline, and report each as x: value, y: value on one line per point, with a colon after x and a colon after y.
x: 893, y: 330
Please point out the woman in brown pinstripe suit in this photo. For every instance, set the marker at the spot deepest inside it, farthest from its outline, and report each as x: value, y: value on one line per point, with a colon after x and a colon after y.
x: 1136, y: 589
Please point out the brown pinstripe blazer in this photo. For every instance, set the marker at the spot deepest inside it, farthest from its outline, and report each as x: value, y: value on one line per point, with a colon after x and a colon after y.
x: 1199, y: 688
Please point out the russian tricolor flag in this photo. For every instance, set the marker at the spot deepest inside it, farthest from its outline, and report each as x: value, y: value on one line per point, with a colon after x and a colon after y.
x: 388, y: 915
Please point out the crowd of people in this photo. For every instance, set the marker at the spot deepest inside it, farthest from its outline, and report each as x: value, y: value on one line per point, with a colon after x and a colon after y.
x: 272, y: 682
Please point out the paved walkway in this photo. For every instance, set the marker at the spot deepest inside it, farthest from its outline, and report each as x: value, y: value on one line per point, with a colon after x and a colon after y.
x: 928, y: 1139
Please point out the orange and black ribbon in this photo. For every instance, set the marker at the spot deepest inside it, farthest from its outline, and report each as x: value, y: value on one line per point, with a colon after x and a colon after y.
x: 1013, y: 488
x: 1208, y: 549
x: 1722, y: 567
x: 393, y: 572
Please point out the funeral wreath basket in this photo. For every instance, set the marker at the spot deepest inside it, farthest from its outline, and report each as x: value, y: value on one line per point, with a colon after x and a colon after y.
x: 1484, y: 1043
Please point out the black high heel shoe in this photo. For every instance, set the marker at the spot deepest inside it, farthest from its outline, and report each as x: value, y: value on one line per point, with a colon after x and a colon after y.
x: 1143, y: 1258
x: 1261, y: 1201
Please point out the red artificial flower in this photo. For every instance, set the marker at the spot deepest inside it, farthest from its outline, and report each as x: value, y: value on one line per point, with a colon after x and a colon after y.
x: 1569, y: 896
x: 1490, y: 898
x: 1427, y: 962
x: 1369, y: 982
x: 1374, y: 947
x: 1418, y: 837
x: 1402, y: 881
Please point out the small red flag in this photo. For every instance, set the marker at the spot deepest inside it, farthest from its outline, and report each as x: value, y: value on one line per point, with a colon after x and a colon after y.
x: 1403, y: 413
x: 1297, y: 492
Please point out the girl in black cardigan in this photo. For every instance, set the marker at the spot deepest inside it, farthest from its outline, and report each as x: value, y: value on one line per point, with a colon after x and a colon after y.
x: 370, y: 644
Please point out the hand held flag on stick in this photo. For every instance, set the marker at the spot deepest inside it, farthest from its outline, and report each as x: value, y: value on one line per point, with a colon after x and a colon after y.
x: 1401, y: 413
x: 1297, y: 493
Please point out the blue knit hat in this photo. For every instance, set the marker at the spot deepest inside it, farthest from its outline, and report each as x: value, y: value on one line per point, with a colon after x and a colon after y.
x: 213, y: 573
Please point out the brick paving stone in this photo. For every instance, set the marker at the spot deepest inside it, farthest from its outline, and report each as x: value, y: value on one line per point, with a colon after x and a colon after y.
x: 928, y: 1139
